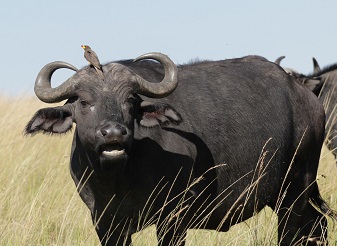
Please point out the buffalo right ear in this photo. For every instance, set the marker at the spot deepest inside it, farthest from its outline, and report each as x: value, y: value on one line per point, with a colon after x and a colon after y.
x: 157, y: 114
x: 49, y: 121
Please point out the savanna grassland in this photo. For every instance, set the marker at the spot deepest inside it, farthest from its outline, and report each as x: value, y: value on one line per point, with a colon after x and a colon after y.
x: 39, y: 204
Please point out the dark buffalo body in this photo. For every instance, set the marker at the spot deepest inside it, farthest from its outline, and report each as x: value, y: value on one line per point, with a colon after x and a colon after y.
x: 323, y: 83
x: 215, y: 146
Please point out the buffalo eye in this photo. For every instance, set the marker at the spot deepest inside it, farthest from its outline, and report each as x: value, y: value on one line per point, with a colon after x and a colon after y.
x: 131, y: 100
x: 84, y: 103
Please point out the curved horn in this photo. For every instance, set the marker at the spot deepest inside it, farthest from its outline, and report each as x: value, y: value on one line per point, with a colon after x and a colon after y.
x: 166, y: 86
x: 317, y: 68
x: 278, y: 60
x: 43, y: 89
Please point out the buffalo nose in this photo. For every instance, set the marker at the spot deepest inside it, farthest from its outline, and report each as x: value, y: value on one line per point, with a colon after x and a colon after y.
x: 113, y: 132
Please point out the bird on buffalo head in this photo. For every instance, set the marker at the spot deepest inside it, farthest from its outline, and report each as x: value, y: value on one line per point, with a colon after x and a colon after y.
x: 92, y: 58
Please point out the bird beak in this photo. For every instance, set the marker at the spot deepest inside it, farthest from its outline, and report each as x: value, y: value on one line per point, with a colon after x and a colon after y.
x: 83, y: 46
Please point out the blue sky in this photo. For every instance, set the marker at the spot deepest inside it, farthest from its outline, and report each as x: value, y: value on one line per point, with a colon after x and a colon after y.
x: 34, y: 33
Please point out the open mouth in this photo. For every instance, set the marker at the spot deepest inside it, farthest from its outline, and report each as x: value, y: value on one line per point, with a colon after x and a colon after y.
x: 112, y: 151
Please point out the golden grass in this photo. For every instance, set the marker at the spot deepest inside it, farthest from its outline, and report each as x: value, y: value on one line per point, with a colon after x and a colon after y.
x: 39, y: 204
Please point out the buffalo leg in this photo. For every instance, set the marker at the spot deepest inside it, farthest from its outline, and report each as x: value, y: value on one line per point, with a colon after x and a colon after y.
x: 113, y: 234
x: 307, y: 229
x: 114, y: 238
x: 288, y: 226
x: 299, y: 222
x: 314, y: 227
x: 168, y: 234
x: 293, y: 205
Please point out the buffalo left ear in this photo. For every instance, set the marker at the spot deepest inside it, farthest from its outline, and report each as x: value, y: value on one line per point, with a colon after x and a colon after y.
x: 50, y: 121
x: 153, y: 114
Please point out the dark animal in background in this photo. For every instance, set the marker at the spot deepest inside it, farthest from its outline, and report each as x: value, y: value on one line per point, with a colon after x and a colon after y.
x: 293, y: 72
x: 209, y: 146
x: 323, y: 83
x: 311, y: 83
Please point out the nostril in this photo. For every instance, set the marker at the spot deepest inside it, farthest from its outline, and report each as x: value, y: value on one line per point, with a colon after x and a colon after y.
x: 104, y: 132
x: 123, y: 131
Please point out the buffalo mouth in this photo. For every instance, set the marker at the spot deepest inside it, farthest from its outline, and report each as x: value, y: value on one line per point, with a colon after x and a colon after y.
x: 112, y: 151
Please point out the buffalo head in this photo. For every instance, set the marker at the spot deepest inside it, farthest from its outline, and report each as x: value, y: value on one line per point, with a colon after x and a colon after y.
x: 104, y: 111
x: 312, y: 82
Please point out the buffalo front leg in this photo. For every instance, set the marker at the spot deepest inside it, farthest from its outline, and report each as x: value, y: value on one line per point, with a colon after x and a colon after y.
x: 111, y: 237
x: 111, y: 234
x: 169, y: 234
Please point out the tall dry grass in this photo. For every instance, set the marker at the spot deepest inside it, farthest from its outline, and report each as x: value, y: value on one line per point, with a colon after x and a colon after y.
x: 39, y: 204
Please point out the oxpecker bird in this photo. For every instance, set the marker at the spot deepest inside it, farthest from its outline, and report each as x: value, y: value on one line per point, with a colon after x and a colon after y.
x: 92, y: 58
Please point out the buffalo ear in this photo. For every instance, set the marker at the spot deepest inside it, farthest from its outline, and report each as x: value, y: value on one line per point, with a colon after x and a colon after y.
x: 157, y: 114
x: 50, y: 120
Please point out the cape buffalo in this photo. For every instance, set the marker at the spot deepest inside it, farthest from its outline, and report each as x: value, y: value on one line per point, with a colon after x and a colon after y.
x: 311, y: 83
x: 323, y: 83
x: 202, y: 145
